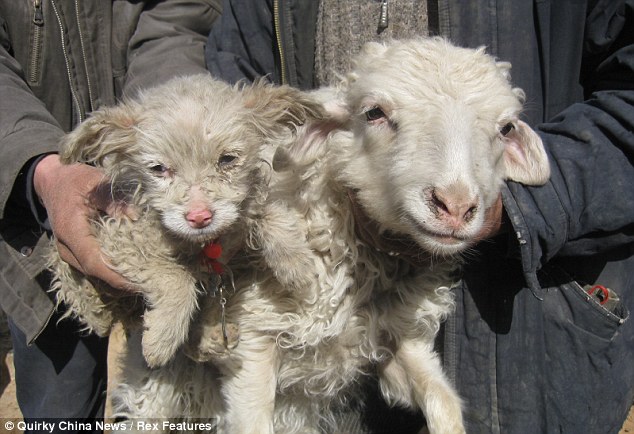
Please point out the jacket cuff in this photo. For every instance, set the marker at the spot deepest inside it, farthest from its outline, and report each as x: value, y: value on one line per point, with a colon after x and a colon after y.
x: 25, y: 181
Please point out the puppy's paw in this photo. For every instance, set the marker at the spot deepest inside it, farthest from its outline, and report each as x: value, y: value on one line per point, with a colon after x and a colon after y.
x: 101, y: 325
x: 212, y: 343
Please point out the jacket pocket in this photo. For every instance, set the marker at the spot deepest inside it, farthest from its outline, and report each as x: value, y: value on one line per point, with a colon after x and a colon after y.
x: 572, y: 305
x: 587, y: 357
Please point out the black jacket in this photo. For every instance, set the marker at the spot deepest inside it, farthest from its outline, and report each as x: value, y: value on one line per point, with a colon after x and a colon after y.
x: 529, y: 350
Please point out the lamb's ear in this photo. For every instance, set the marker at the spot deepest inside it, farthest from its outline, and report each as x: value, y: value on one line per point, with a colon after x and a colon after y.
x: 107, y: 131
x: 525, y: 158
x: 503, y: 67
x: 335, y: 109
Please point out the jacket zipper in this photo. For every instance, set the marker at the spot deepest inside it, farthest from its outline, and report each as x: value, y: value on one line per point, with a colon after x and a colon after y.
x: 383, y: 16
x: 36, y: 48
x: 80, y: 116
x: 278, y: 36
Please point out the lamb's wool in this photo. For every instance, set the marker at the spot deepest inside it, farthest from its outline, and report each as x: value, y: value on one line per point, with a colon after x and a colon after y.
x: 325, y: 309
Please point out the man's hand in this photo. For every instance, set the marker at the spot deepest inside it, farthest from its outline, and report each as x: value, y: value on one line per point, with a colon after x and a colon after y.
x: 493, y: 219
x: 71, y: 195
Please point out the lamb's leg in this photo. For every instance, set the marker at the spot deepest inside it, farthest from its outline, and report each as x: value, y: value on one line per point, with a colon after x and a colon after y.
x: 134, y: 398
x: 172, y: 302
x: 250, y: 390
x: 415, y: 377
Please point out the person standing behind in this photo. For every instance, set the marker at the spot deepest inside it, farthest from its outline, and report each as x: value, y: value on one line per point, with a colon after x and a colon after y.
x: 542, y: 340
x: 60, y: 60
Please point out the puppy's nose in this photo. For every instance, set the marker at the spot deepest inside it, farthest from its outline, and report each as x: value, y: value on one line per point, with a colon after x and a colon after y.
x: 199, y: 218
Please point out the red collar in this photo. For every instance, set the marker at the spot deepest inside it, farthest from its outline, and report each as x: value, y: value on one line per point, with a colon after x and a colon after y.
x: 212, y: 252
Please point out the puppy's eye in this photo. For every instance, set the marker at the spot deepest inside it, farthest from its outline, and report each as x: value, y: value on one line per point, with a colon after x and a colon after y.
x: 226, y: 160
x: 374, y: 114
x: 161, y: 170
x: 507, y: 129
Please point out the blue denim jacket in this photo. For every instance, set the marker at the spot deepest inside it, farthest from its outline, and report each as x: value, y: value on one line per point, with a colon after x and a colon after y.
x: 528, y: 348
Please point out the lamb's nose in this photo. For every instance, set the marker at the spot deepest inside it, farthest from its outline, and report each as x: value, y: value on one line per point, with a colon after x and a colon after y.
x: 199, y: 218
x: 454, y: 209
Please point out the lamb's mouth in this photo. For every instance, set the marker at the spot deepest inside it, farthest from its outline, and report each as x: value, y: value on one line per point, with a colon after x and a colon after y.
x: 447, y: 238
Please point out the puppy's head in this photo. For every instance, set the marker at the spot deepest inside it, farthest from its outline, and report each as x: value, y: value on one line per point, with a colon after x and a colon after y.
x: 193, y: 150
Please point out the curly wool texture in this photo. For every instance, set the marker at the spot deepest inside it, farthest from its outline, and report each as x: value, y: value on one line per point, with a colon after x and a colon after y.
x: 338, y: 323
x: 414, y: 119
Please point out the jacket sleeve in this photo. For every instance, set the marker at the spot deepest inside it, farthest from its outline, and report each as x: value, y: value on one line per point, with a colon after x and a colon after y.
x: 169, y: 41
x: 241, y: 43
x: 24, y: 133
x: 587, y: 207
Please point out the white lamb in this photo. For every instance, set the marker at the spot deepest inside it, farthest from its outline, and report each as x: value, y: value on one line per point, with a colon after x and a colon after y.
x: 421, y: 138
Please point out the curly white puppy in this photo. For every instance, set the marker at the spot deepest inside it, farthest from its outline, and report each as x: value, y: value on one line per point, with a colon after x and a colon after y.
x: 191, y: 156
x: 427, y: 134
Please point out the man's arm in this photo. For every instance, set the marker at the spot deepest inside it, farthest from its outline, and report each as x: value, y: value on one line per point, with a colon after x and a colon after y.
x: 588, y: 205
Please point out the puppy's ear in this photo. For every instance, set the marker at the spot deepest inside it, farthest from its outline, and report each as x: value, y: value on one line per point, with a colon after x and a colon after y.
x: 275, y: 106
x: 525, y: 158
x: 311, y: 138
x: 110, y: 130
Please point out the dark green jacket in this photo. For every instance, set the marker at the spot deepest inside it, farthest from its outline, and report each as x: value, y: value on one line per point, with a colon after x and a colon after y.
x: 59, y: 60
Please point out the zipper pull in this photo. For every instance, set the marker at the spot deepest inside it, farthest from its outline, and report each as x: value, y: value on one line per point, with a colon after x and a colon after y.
x: 383, y: 16
x: 38, y: 17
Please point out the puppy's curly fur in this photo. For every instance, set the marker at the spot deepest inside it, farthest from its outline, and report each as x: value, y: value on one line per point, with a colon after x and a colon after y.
x: 191, y: 156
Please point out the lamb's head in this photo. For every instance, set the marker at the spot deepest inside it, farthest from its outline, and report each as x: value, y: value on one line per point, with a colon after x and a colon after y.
x: 434, y: 132
x: 192, y: 150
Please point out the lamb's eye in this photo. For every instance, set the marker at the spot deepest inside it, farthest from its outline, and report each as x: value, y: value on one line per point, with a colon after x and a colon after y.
x: 507, y: 129
x: 226, y: 160
x: 374, y: 114
x: 161, y: 170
